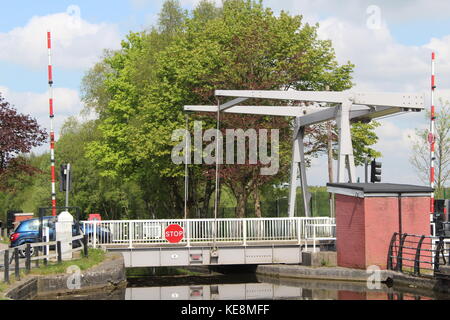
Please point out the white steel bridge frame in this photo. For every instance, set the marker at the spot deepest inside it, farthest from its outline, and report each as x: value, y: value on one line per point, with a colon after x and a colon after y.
x: 345, y: 107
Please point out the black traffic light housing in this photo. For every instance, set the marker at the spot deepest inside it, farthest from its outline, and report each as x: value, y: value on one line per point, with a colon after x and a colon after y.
x: 63, y: 180
x: 375, y: 171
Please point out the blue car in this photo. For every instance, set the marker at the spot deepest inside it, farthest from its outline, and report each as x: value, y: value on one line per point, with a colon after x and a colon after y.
x: 28, y: 232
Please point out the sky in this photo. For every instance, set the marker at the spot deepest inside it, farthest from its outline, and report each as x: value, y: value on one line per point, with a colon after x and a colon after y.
x: 390, y: 42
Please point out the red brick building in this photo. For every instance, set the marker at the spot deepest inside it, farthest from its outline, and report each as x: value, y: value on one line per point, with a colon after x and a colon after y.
x: 367, y: 215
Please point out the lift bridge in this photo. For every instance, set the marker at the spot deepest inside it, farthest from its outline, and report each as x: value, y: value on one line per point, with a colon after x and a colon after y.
x: 263, y: 240
x: 143, y: 243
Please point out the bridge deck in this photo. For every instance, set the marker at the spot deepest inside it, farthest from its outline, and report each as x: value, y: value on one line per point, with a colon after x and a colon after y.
x: 210, y: 244
x: 203, y: 254
x: 145, y: 243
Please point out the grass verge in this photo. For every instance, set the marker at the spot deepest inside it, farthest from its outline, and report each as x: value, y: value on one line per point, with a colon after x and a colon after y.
x: 95, y: 257
x: 3, y: 287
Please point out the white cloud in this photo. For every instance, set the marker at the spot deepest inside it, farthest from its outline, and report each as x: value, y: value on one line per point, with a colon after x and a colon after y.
x: 140, y: 4
x: 396, y: 146
x: 77, y: 44
x: 399, y: 11
x: 194, y: 3
x: 381, y: 64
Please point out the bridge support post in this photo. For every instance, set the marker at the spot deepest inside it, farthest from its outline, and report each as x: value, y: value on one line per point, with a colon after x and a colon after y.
x: 94, y: 235
x: 188, y: 234
x: 130, y: 234
x: 244, y: 232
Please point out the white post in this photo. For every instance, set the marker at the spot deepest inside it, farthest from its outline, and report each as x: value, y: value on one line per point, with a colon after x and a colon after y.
x: 294, y: 174
x: 345, y: 144
x: 306, y: 236
x: 244, y: 231
x: 304, y: 181
x: 314, y: 238
x: 298, y: 165
x: 299, y: 236
x: 63, y: 229
x: 130, y: 234
x: 188, y: 234
x: 94, y: 241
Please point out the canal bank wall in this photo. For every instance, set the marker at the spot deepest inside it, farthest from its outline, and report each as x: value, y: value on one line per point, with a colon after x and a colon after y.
x: 318, y: 273
x: 108, y: 276
x: 396, y: 279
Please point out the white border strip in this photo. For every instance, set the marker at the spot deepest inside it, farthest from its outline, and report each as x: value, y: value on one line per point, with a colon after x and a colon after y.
x: 361, y: 194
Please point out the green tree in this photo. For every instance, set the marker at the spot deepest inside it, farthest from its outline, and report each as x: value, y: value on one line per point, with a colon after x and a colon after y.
x: 363, y: 137
x: 113, y: 197
x: 171, y: 17
x: 247, y: 48
x: 205, y: 11
x: 241, y: 46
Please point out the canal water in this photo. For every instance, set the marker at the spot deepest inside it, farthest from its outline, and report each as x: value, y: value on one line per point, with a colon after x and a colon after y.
x: 202, y: 284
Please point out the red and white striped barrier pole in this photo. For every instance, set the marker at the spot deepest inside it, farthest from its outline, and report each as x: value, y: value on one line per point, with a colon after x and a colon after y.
x: 52, y: 115
x: 432, y: 138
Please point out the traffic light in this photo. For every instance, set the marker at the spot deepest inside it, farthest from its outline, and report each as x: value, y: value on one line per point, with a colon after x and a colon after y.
x: 65, y: 174
x: 375, y: 171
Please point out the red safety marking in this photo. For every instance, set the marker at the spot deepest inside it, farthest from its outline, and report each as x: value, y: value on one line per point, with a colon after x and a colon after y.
x: 52, y: 134
x: 49, y: 40
x: 51, y: 107
x: 50, y: 75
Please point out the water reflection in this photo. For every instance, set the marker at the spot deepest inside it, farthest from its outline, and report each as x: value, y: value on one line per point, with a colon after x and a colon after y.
x: 243, y: 291
x: 214, y: 286
x: 267, y: 288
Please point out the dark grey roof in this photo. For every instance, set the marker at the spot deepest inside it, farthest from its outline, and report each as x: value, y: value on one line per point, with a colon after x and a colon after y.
x: 382, y: 187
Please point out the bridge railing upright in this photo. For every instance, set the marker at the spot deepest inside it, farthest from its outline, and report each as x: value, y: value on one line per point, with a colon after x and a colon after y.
x: 198, y: 231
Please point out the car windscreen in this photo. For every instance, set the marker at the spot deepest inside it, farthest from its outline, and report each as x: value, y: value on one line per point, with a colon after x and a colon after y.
x: 29, y: 225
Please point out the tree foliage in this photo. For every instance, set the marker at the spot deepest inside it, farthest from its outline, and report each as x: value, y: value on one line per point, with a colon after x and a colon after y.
x: 240, y: 46
x: 19, y: 134
x: 122, y: 162
x: 420, y: 157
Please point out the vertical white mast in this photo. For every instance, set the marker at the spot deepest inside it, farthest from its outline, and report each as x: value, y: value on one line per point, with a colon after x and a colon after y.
x: 52, y: 132
x: 432, y: 137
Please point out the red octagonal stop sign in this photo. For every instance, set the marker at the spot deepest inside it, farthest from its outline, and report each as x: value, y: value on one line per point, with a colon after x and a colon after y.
x: 174, y: 233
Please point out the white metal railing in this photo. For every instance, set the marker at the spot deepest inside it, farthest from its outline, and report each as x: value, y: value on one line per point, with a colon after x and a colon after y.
x: 239, y: 231
x: 317, y: 232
